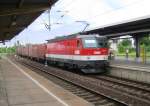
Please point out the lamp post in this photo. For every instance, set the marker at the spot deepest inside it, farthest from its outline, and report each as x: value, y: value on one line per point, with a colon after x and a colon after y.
x: 86, y: 24
x: 49, y: 25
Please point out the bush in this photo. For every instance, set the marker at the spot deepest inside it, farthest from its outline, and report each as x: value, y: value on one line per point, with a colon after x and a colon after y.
x: 7, y: 50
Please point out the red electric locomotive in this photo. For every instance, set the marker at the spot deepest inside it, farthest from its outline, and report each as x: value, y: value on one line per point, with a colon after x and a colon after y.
x: 87, y: 52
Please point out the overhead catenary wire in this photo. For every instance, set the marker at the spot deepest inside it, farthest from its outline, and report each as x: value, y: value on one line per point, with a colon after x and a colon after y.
x: 49, y: 15
x: 66, y: 4
x: 64, y: 10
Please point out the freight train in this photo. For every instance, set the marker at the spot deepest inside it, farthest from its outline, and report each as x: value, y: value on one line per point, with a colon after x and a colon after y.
x: 89, y: 53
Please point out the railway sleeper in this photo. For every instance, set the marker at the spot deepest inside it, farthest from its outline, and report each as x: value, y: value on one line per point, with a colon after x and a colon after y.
x: 85, y: 94
x: 108, y: 104
x: 77, y: 92
x: 93, y: 99
x: 101, y: 102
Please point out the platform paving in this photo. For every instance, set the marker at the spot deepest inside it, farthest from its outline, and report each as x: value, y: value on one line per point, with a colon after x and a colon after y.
x: 16, y: 89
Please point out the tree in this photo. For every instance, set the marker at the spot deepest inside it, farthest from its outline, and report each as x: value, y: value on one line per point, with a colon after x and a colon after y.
x: 145, y: 42
x: 124, y: 44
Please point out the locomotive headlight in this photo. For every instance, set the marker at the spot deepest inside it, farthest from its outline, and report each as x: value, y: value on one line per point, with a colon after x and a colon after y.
x: 97, y: 52
x: 77, y: 52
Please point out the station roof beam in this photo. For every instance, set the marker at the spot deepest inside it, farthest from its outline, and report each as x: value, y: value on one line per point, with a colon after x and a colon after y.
x: 134, y: 26
x: 16, y: 15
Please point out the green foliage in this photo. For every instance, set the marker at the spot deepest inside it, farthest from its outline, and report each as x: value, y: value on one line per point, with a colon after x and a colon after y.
x: 121, y: 48
x: 125, y: 44
x: 145, y: 42
x: 7, y: 50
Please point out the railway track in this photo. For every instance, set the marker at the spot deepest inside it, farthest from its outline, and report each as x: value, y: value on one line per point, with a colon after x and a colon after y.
x: 92, y: 97
x: 126, y: 86
x: 99, y: 88
x: 137, y: 85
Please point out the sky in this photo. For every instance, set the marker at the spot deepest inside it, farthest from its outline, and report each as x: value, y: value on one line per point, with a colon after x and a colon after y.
x: 71, y: 16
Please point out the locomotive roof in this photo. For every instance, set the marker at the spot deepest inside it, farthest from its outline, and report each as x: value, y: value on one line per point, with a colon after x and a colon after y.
x: 72, y: 36
x: 58, y: 38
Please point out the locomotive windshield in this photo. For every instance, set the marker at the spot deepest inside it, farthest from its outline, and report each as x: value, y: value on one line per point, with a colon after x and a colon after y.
x: 94, y: 42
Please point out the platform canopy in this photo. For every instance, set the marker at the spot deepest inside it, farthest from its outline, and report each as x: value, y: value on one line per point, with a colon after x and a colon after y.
x: 16, y: 15
x: 133, y: 27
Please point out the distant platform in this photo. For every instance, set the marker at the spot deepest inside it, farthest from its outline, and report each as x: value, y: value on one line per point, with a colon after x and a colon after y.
x: 127, y: 64
x: 131, y: 69
x: 133, y: 59
x: 20, y: 86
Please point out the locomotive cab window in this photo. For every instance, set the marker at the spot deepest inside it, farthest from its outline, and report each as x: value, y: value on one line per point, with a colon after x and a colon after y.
x: 102, y: 42
x: 93, y: 42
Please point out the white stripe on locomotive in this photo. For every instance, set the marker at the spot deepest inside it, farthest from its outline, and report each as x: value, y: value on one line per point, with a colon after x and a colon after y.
x: 78, y: 57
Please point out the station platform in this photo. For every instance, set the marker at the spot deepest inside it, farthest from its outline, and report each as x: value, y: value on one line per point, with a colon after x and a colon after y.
x: 133, y: 59
x: 20, y: 86
x: 132, y: 70
x: 127, y: 64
